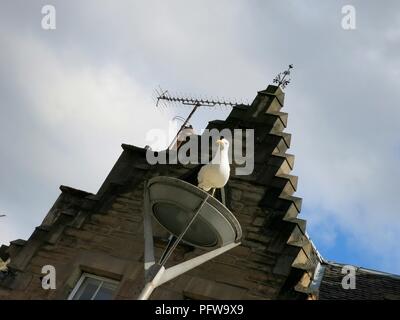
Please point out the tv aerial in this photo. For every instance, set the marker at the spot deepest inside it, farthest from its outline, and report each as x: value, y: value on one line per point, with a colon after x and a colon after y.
x: 163, y: 97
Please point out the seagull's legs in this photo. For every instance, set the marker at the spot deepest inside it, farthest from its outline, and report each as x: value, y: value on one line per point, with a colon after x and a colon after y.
x: 212, y: 192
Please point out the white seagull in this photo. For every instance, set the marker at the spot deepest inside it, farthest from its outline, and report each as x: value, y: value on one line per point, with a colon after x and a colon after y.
x: 216, y: 174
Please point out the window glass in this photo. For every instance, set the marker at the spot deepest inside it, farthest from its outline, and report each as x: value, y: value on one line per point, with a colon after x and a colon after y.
x: 90, y: 287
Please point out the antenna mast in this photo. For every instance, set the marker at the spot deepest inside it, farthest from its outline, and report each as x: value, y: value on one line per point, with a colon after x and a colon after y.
x: 196, y: 103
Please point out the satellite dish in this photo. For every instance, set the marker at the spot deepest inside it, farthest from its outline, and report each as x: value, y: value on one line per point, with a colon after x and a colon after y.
x: 173, y: 203
x: 190, y: 215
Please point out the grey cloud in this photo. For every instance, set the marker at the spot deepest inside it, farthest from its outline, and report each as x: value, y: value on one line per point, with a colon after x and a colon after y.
x: 342, y: 102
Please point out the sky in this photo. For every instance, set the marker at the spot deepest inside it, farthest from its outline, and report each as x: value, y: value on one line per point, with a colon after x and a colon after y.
x: 70, y: 96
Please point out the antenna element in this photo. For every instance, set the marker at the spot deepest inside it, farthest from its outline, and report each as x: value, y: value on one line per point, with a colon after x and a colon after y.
x: 196, y: 103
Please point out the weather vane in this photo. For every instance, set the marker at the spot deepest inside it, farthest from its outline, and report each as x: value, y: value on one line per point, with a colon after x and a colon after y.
x: 281, y: 80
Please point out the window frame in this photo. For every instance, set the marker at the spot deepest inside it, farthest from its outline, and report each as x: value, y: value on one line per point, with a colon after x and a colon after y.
x: 86, y: 275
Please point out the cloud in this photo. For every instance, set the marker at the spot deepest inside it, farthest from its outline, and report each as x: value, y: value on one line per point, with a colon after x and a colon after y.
x: 73, y: 95
x: 64, y: 127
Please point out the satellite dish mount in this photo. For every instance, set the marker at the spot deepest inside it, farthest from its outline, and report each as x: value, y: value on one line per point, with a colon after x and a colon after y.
x: 190, y: 215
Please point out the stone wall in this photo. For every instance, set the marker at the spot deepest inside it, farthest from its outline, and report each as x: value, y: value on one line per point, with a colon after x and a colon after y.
x: 103, y: 233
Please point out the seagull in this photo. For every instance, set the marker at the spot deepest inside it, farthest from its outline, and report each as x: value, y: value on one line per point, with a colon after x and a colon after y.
x: 216, y: 174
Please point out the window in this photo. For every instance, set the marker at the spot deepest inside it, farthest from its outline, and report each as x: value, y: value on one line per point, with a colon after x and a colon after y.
x: 91, y: 287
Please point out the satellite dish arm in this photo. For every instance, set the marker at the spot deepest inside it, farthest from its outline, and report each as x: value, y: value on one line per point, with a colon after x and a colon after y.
x: 164, y: 275
x: 188, y: 265
x: 156, y: 274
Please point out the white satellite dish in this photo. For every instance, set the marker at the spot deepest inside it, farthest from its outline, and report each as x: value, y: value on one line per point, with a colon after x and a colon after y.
x: 190, y: 215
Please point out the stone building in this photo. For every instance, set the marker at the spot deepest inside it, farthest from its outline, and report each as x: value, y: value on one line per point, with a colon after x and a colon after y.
x: 95, y: 241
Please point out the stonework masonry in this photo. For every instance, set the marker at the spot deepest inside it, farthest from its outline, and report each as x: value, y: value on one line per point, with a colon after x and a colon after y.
x: 102, y: 233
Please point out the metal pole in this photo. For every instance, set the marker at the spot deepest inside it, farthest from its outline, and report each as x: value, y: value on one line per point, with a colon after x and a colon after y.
x: 172, y: 248
x: 188, y: 265
x: 151, y: 285
x: 164, y: 275
x: 183, y: 125
x: 171, y: 241
x: 149, y: 258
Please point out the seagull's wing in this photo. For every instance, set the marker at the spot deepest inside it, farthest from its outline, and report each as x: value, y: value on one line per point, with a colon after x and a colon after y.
x: 202, y: 178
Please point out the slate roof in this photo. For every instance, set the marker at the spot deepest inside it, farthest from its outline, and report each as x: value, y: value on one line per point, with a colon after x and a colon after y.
x: 369, y: 284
